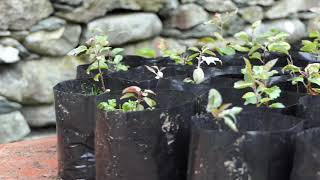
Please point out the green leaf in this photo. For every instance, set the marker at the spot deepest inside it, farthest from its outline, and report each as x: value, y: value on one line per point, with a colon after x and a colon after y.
x: 116, y: 51
x: 146, y: 52
x: 291, y: 68
x: 229, y: 51
x: 129, y: 106
x: 280, y: 47
x: 314, y: 34
x: 117, y: 59
x: 198, y: 75
x: 297, y: 79
x: 207, y: 40
x: 240, y: 48
x: 188, y: 80
x: 214, y: 100
x: 273, y: 92
x: 243, y: 36
x: 248, y: 74
x: 97, y: 76
x: 140, y: 107
x: 270, y: 64
x: 242, y: 84
x: 277, y: 106
x: 121, y: 67
x: 231, y: 124
x: 108, y: 106
x: 256, y: 55
x: 95, y: 65
x: 77, y: 51
x: 315, y: 79
x: 250, y: 98
x: 192, y: 56
x: 127, y: 95
x: 101, y: 40
x: 254, y: 48
x: 194, y: 49
x: 310, y: 47
x: 150, y: 102
x: 312, y: 68
x: 209, y: 52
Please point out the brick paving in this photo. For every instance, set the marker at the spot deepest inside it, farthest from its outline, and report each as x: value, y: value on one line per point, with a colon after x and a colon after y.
x: 29, y: 160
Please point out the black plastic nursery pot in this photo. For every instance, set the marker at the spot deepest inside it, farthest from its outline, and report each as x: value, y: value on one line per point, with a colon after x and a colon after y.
x: 237, y: 59
x: 312, y: 110
x: 130, y: 60
x: 308, y: 57
x: 234, y: 96
x: 145, y: 145
x: 141, y: 73
x: 261, y: 150
x: 75, y: 115
x: 307, y: 151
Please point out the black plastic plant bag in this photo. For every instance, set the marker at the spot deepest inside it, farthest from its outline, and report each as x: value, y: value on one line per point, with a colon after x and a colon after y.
x: 145, y: 145
x: 312, y: 110
x: 307, y: 151
x: 75, y: 115
x: 237, y: 59
x: 234, y: 96
x: 262, y: 150
x: 141, y: 73
x: 308, y: 57
x: 130, y: 60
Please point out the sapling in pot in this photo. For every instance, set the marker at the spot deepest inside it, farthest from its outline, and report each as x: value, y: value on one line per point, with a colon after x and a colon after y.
x: 103, y: 58
x: 202, y: 55
x: 311, y: 48
x: 221, y: 111
x: 260, y: 46
x: 309, y: 77
x: 143, y: 135
x: 140, y: 96
x: 256, y: 78
x: 218, y: 42
x: 260, y: 147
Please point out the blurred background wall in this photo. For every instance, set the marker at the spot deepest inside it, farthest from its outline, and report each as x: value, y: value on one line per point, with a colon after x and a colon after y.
x: 35, y: 36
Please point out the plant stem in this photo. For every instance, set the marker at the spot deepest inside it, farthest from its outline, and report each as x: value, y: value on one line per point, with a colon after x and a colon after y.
x: 101, y: 78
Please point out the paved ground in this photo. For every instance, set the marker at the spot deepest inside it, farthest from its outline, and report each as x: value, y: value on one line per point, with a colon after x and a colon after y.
x: 29, y: 160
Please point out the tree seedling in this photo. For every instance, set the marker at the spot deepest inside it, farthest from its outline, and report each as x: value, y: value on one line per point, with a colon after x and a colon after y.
x: 140, y: 97
x: 312, y: 47
x: 146, y: 52
x: 309, y: 77
x: 101, y: 56
x: 259, y: 46
x: 156, y: 70
x: 257, y: 78
x: 220, y: 44
x: 201, y: 55
x: 222, y: 111
x: 180, y: 58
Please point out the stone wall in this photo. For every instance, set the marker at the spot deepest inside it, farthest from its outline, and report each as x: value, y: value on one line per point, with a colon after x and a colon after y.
x: 35, y: 35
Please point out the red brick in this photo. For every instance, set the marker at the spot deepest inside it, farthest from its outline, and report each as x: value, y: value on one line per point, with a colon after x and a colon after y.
x: 29, y: 160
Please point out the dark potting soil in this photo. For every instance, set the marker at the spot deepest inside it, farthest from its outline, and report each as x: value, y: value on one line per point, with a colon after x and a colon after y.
x: 307, y: 151
x: 263, y: 149
x: 75, y: 115
x: 145, y: 145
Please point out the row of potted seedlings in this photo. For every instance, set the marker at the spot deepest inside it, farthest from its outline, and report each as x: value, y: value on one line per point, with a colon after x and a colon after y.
x: 226, y: 112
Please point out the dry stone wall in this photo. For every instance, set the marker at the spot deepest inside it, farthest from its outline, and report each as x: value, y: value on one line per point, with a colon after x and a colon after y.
x: 35, y: 36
